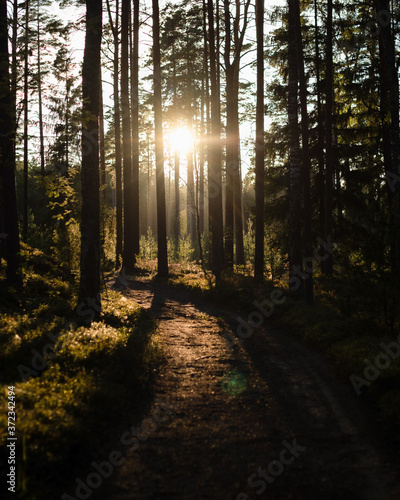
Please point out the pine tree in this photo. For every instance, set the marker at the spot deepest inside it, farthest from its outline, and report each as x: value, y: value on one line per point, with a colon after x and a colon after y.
x: 9, y: 216
x: 89, y: 290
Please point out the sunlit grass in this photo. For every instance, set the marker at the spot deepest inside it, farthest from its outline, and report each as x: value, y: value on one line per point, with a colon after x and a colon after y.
x: 94, y: 374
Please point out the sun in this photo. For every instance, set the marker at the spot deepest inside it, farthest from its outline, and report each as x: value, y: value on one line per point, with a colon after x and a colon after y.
x: 180, y: 140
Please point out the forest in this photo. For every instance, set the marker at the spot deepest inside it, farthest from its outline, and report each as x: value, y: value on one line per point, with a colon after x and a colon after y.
x: 199, y: 249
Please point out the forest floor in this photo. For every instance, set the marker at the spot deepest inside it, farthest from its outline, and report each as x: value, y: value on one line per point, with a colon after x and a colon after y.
x: 266, y: 418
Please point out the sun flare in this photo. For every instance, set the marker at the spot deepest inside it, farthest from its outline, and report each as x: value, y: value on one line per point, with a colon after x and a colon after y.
x: 181, y: 140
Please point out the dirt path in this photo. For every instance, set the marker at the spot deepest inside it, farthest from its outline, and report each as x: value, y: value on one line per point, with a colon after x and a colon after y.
x: 262, y: 420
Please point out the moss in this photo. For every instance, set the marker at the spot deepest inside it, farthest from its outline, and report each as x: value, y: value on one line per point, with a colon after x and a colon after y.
x: 86, y: 371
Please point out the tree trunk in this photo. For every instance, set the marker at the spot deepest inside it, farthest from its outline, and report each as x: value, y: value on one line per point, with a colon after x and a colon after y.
x: 306, y: 163
x: 389, y: 109
x: 320, y: 135
x: 201, y: 163
x: 26, y: 142
x: 160, y: 181
x: 214, y: 157
x: 129, y: 245
x: 135, y: 126
x: 231, y: 162
x: 177, y: 225
x: 207, y: 129
x: 190, y: 200
x: 117, y: 135
x: 233, y: 217
x: 89, y: 290
x: 101, y: 144
x: 295, y: 265
x: 9, y: 219
x: 177, y: 221
x: 259, y: 185
x: 328, y: 230
x: 40, y: 104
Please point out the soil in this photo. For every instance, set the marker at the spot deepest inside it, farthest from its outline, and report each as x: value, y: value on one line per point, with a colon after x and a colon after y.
x: 263, y: 419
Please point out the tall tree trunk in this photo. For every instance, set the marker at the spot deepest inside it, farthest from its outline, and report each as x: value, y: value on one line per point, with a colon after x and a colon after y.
x: 233, y: 217
x: 190, y: 200
x: 14, y: 72
x: 214, y: 157
x: 200, y: 183
x: 89, y: 290
x: 328, y: 230
x: 117, y: 136
x: 295, y: 265
x: 129, y: 244
x: 190, y: 187
x: 177, y: 223
x: 389, y: 108
x: 207, y: 132
x: 231, y: 162
x: 135, y: 126
x: 40, y: 103
x: 102, y: 148
x: 9, y: 217
x: 320, y: 135
x: 259, y: 185
x: 306, y: 163
x: 160, y: 181
x: 26, y: 142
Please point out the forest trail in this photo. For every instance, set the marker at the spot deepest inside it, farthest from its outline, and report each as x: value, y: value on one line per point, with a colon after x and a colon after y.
x: 294, y: 420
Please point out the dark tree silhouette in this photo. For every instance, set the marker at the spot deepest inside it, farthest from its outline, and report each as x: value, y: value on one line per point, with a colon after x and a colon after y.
x: 160, y: 181
x: 259, y: 186
x: 89, y: 290
x: 8, y: 198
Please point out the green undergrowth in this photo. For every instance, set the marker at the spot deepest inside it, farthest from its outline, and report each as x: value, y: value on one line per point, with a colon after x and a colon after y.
x: 353, y: 321
x: 72, y: 384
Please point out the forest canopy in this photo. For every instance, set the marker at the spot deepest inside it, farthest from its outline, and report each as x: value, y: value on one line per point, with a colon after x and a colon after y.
x: 246, y: 137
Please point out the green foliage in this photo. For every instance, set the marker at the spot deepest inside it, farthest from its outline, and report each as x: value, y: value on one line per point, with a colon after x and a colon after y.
x: 249, y: 243
x: 148, y: 246
x: 185, y: 250
x: 85, y: 370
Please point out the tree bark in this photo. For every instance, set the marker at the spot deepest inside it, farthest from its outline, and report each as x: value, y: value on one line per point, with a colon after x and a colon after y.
x: 295, y: 265
x: 214, y: 163
x: 103, y: 192
x: 259, y: 184
x: 135, y: 127
x: 328, y: 229
x: 89, y: 291
x: 26, y: 142
x: 129, y: 245
x: 306, y: 162
x: 320, y: 135
x: 117, y: 136
x: 389, y: 109
x: 40, y: 104
x: 9, y: 217
x: 160, y: 180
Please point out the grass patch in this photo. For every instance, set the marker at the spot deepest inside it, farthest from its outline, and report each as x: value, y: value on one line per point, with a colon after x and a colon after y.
x: 76, y: 384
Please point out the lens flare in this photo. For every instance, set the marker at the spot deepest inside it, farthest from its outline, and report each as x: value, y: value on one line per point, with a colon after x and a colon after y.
x: 234, y: 383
